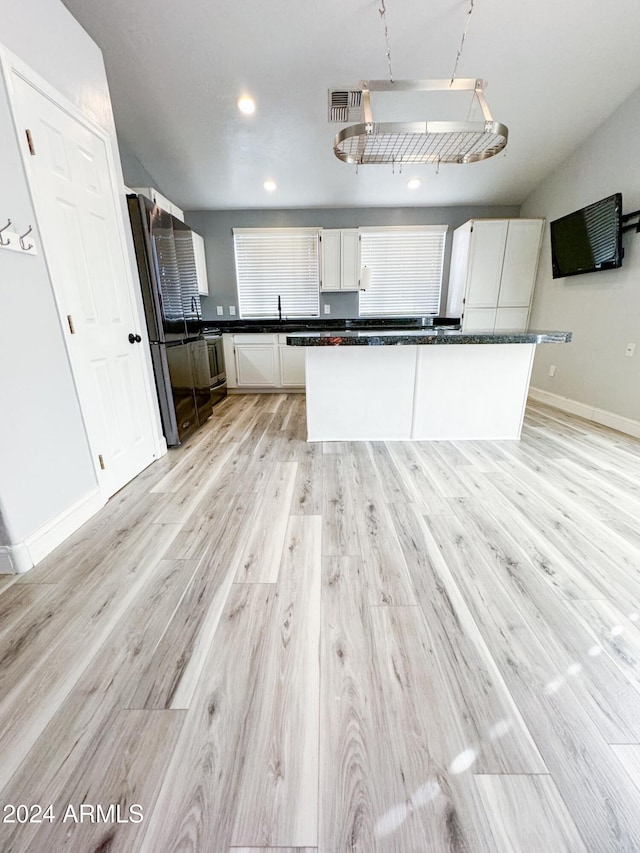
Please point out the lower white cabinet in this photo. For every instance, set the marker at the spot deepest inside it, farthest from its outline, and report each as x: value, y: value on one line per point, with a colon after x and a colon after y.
x: 263, y: 361
x: 495, y: 319
x: 291, y: 366
x: 511, y: 318
x: 479, y: 319
x: 256, y: 366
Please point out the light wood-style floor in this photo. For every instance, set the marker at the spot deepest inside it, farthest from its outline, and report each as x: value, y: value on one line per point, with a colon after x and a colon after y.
x: 378, y: 647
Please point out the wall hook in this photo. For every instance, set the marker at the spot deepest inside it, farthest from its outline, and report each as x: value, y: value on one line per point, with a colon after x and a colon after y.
x: 22, y: 236
x: 5, y: 242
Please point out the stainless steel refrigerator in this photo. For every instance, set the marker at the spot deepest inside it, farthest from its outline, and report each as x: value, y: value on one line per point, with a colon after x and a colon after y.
x: 181, y: 364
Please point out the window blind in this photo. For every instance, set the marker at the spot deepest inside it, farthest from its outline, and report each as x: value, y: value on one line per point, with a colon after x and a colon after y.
x: 405, y: 270
x: 272, y: 262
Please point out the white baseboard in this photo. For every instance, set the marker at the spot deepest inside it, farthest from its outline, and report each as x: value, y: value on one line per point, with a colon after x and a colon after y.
x: 22, y: 556
x: 590, y: 413
x: 6, y: 566
x: 270, y: 389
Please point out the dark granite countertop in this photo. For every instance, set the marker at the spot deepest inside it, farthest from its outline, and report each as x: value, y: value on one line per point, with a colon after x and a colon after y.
x: 318, y: 324
x: 421, y: 337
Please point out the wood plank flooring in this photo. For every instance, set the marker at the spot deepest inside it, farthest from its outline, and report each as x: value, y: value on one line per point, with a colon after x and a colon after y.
x: 262, y: 644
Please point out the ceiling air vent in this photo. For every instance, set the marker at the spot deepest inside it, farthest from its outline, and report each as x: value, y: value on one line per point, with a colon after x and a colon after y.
x: 345, y: 105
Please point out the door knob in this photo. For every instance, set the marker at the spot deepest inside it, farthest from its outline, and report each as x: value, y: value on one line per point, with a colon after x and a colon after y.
x: 134, y: 339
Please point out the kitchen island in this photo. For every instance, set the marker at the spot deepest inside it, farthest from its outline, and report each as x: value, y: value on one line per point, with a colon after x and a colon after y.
x: 418, y: 384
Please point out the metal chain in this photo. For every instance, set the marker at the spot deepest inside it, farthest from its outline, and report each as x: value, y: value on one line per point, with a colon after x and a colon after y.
x: 383, y: 15
x: 464, y: 35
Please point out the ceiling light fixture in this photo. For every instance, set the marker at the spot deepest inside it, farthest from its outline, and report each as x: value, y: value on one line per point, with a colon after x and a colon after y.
x: 421, y: 141
x: 414, y: 183
x: 269, y: 186
x: 246, y: 105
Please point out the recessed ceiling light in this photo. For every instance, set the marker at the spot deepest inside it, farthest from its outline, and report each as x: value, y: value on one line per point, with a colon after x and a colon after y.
x: 414, y: 183
x: 269, y: 186
x: 246, y: 105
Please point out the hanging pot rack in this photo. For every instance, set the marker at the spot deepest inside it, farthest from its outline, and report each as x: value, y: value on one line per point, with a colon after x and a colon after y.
x: 421, y: 141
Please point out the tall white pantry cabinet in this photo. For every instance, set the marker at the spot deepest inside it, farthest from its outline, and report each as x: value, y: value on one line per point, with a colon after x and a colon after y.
x: 493, y: 272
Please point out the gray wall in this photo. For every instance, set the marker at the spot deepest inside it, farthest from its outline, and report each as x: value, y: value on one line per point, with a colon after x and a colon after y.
x: 216, y: 228
x: 134, y: 173
x: 45, y: 465
x: 602, y: 309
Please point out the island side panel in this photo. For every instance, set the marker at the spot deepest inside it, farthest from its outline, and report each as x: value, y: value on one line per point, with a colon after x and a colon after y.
x: 360, y: 393
x: 475, y: 391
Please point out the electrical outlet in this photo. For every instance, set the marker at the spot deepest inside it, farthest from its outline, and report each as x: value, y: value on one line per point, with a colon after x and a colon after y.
x: 630, y: 350
x: 219, y: 310
x: 552, y: 370
x: 327, y: 309
x: 232, y: 310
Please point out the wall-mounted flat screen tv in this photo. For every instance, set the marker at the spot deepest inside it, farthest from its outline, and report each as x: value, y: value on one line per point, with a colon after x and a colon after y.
x: 588, y: 240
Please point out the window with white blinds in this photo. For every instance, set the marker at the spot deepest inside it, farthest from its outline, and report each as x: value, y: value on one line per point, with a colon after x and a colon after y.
x: 272, y: 262
x: 404, y: 270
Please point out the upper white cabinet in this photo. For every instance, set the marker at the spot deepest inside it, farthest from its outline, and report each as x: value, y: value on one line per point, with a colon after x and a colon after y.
x: 198, y: 243
x: 493, y: 272
x: 340, y: 259
x: 201, y: 264
x: 520, y: 262
x: 161, y: 200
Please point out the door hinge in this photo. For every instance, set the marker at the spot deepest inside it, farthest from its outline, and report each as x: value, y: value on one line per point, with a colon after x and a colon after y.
x: 101, y: 461
x: 32, y: 147
x: 72, y: 328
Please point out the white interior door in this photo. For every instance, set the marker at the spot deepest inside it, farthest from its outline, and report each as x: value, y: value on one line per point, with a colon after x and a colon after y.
x: 81, y: 230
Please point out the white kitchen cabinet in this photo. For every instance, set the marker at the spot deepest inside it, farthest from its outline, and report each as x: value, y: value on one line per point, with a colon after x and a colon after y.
x: 161, y: 200
x: 229, y: 360
x: 292, y: 361
x: 340, y: 259
x: 480, y: 319
x: 511, y: 318
x: 177, y: 212
x: 201, y: 264
x: 520, y: 262
x: 256, y: 361
x: 263, y: 361
x: 493, y: 272
x: 486, y: 253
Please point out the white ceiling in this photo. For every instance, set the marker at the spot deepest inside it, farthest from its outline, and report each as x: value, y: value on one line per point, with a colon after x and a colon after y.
x: 555, y: 68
